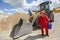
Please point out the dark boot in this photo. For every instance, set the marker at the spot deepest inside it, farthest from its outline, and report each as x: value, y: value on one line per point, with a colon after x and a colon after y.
x: 42, y: 35
x: 47, y: 35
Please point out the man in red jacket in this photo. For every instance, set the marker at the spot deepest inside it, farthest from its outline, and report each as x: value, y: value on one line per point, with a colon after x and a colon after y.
x: 42, y: 21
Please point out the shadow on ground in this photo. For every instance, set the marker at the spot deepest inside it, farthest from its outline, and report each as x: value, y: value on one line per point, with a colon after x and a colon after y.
x: 34, y: 37
x: 36, y: 28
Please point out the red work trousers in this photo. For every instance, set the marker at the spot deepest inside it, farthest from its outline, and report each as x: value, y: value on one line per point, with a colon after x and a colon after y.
x: 42, y: 29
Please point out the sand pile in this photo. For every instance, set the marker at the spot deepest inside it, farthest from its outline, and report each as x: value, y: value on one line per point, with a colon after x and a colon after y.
x: 8, y: 23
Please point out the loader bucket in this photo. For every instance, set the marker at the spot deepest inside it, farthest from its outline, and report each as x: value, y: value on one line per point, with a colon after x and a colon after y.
x: 20, y: 29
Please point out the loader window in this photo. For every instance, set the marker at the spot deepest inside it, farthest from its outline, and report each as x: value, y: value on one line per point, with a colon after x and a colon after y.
x: 46, y: 6
x: 42, y: 7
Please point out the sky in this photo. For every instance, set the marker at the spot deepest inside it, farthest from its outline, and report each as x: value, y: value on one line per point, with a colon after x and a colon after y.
x: 13, y: 6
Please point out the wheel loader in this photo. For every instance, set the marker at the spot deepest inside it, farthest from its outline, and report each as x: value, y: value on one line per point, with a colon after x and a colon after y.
x: 46, y: 7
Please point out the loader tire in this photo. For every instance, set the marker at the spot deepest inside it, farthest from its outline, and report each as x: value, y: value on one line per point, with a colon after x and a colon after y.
x: 51, y: 17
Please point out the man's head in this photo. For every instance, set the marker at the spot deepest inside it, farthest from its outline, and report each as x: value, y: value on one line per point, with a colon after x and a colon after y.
x: 42, y: 11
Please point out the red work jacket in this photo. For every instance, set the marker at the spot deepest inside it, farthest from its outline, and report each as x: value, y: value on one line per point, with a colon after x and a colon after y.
x: 43, y: 20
